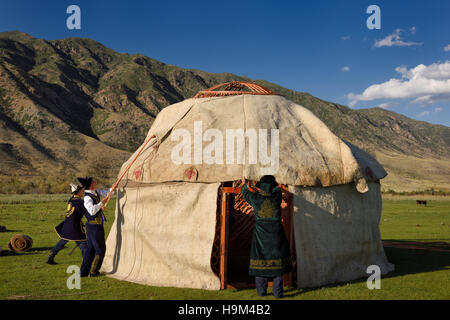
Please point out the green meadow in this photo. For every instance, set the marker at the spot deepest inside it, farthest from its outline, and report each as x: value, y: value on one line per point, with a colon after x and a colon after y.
x: 417, y: 241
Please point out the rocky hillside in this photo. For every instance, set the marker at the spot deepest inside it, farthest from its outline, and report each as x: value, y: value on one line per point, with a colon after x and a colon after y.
x: 61, y: 100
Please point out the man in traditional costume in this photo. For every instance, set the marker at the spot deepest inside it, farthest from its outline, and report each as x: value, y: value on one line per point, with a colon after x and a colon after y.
x: 96, y: 247
x: 71, y: 229
x: 269, y: 253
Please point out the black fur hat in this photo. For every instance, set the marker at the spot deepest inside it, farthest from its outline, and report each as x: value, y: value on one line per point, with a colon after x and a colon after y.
x: 85, y: 182
x: 269, y: 180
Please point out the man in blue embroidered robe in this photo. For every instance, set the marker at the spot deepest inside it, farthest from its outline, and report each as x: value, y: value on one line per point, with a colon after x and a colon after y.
x: 269, y: 253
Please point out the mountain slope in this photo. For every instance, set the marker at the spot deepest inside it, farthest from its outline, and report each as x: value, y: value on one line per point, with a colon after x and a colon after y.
x: 73, y: 105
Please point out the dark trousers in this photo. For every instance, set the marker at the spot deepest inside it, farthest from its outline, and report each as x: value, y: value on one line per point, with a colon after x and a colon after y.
x: 95, y: 250
x: 262, y: 282
x: 61, y: 243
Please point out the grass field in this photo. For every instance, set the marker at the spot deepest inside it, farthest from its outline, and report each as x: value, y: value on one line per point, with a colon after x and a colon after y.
x: 422, y: 269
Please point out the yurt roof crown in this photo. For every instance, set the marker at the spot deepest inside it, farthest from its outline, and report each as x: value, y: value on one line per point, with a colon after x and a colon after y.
x: 234, y: 88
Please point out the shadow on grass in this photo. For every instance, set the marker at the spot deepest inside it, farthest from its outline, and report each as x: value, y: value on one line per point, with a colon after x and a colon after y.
x: 9, y: 252
x: 40, y: 249
x: 412, y: 257
x: 429, y: 241
x: 409, y: 257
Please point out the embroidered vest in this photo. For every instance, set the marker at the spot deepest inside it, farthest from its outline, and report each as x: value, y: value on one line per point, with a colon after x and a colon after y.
x: 99, y: 217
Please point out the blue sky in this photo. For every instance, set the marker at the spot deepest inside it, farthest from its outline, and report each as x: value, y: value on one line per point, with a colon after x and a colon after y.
x: 320, y: 47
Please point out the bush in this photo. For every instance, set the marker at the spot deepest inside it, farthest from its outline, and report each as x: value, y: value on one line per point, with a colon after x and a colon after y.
x: 56, y: 184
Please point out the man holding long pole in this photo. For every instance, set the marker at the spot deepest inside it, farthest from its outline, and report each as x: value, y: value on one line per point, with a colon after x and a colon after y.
x: 96, y: 247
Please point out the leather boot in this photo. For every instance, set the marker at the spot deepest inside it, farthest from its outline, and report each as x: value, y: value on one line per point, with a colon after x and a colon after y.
x: 50, y: 259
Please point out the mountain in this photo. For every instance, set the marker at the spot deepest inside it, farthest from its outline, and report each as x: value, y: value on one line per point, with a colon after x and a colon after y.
x: 74, y: 106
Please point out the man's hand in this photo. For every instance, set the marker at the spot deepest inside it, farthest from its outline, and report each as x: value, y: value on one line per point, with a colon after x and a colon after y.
x: 105, y: 201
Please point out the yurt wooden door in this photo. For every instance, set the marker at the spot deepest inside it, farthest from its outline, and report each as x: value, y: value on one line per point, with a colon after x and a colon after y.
x: 234, y: 231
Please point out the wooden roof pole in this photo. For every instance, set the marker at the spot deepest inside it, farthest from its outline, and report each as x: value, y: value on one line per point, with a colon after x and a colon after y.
x: 114, y: 186
x: 224, y: 228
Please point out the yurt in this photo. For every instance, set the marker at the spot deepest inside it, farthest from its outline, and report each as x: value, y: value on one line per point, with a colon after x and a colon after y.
x: 180, y: 220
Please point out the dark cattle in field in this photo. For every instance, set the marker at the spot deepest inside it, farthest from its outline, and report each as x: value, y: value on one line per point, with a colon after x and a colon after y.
x: 419, y: 202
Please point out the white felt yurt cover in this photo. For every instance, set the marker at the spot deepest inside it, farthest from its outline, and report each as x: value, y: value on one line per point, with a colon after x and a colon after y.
x: 309, y: 153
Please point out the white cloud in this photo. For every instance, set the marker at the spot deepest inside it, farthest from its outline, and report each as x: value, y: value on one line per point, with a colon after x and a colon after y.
x: 412, y: 30
x: 427, y: 113
x: 423, y: 100
x: 447, y: 48
x: 345, y: 69
x: 425, y: 84
x: 345, y: 38
x: 395, y: 40
x: 430, y: 99
x: 388, y: 105
x: 403, y: 70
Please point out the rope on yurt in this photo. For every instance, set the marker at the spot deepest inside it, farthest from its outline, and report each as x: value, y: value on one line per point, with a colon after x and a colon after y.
x: 136, y: 202
x: 138, y: 225
x: 151, y: 155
